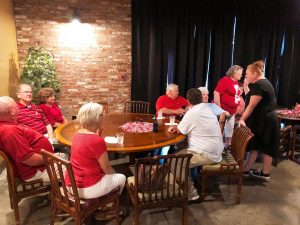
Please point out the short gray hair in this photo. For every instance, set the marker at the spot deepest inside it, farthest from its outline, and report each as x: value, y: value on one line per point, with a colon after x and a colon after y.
x: 20, y: 86
x: 170, y: 87
x: 203, y: 90
x: 89, y: 116
x: 233, y: 69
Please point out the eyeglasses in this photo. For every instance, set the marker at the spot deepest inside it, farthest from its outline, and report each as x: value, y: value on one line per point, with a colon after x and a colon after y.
x: 26, y: 92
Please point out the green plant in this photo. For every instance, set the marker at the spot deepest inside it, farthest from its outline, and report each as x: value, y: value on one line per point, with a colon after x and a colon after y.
x: 39, y: 70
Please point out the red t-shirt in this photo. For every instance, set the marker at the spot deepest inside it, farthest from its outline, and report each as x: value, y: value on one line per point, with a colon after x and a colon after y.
x: 19, y: 143
x: 86, y: 150
x: 229, y: 94
x: 33, y: 117
x: 53, y: 113
x: 165, y: 101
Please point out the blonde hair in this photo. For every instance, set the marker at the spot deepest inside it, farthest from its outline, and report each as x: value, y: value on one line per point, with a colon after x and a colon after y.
x: 89, y: 116
x: 257, y: 67
x: 232, y: 70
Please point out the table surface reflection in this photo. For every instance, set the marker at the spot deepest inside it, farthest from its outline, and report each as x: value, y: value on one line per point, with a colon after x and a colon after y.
x: 133, y: 142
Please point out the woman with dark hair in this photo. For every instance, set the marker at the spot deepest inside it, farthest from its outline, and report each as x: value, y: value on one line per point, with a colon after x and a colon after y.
x: 50, y: 108
x: 261, y: 118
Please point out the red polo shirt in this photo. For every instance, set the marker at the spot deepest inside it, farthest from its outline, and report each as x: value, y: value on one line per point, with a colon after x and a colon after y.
x: 19, y: 143
x: 165, y: 101
x: 33, y: 117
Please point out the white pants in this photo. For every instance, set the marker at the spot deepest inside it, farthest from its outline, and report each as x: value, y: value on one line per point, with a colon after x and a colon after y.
x: 103, y: 187
x: 229, y: 126
x: 44, y: 175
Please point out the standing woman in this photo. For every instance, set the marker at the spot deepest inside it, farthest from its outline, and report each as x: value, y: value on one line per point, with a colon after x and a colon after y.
x: 227, y: 96
x: 261, y: 118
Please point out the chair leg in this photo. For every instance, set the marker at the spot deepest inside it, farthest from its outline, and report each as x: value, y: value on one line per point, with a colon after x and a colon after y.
x: 117, y: 210
x: 202, y: 189
x: 185, y: 211
x: 53, y: 213
x: 17, y: 215
x: 239, y: 189
x: 136, y: 216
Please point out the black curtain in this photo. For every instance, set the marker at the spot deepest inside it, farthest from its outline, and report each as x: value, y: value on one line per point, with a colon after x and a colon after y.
x: 190, y: 44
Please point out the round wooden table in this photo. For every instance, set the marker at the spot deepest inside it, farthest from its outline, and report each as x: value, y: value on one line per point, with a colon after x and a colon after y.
x: 133, y: 142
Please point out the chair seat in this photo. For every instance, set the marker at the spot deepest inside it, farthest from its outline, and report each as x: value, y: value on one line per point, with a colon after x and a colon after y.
x: 178, y: 192
x: 228, y: 163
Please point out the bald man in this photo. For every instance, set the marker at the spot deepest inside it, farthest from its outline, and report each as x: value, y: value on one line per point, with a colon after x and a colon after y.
x: 22, y: 144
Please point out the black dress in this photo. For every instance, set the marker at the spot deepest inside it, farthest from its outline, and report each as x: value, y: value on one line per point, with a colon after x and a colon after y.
x: 263, y: 120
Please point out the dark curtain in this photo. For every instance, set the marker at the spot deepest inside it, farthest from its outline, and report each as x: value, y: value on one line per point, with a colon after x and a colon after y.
x: 190, y: 44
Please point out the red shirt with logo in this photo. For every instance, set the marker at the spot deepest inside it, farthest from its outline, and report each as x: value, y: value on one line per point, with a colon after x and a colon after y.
x: 19, y: 143
x: 86, y: 150
x: 229, y: 94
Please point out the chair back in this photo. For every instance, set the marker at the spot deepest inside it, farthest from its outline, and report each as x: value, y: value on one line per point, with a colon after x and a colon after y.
x: 240, y: 139
x: 105, y: 107
x: 12, y: 179
x: 60, y: 193
x: 18, y: 189
x: 136, y: 107
x: 162, y: 178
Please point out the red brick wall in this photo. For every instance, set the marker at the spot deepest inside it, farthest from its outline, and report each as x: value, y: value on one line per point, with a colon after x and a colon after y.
x: 89, y: 70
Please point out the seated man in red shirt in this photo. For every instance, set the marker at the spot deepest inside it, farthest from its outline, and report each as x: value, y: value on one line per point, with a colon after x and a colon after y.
x: 171, y: 103
x: 22, y: 144
x: 29, y: 114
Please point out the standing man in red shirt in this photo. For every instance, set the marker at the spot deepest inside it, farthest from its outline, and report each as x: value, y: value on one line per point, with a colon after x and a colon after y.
x: 22, y: 144
x: 171, y: 103
x: 29, y: 114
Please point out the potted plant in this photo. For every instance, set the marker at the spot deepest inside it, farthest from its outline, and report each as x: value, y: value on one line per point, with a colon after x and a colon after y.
x: 39, y: 70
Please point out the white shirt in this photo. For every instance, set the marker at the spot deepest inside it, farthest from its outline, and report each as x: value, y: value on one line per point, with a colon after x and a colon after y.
x: 203, y: 130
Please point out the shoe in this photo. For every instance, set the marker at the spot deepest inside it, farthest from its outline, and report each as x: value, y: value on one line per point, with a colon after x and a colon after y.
x: 192, y: 196
x: 246, y: 173
x: 261, y: 175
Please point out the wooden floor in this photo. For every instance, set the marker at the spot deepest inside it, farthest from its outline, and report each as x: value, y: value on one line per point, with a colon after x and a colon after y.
x: 276, y: 202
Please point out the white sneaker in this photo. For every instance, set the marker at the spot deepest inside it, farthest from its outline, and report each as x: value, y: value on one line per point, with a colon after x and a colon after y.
x: 193, y: 194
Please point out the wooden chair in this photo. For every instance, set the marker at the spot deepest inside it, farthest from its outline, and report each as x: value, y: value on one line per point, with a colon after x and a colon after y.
x: 105, y: 107
x: 284, y: 143
x: 136, y: 107
x: 61, y: 197
x: 231, y: 165
x: 295, y: 142
x: 153, y: 184
x: 18, y: 189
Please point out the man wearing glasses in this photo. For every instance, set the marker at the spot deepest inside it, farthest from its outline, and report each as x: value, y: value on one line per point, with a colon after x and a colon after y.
x: 29, y: 114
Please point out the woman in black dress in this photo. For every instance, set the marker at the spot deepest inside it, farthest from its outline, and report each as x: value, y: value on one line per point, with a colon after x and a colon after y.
x: 260, y: 117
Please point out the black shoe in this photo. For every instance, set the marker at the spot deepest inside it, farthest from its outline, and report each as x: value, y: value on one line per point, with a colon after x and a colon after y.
x: 261, y: 175
x: 246, y: 173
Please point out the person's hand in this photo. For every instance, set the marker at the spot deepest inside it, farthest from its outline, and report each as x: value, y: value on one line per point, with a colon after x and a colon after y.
x: 172, y: 130
x: 180, y: 111
x: 242, y: 123
x: 227, y: 114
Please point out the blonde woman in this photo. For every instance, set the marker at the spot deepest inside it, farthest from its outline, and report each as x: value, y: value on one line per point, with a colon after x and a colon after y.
x: 261, y: 118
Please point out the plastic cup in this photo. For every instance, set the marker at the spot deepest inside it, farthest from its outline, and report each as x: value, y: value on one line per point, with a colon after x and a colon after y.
x: 172, y: 119
x: 120, y: 137
x: 159, y: 114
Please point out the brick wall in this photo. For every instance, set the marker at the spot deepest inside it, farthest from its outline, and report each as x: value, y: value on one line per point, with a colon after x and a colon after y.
x: 94, y: 62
